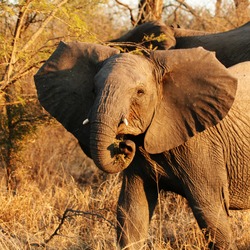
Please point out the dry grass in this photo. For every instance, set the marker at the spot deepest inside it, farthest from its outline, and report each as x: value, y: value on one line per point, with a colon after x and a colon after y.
x: 54, y: 175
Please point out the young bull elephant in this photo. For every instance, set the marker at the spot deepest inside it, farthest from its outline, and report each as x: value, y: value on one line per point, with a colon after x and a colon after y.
x: 175, y: 120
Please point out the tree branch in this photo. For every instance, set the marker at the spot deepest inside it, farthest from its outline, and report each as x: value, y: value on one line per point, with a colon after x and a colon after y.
x: 19, y: 23
x: 44, y: 24
x: 141, y: 11
x: 20, y: 75
x: 193, y: 12
x: 133, y: 21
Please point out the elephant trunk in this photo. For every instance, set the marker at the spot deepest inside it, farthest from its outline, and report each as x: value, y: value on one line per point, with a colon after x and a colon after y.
x: 109, y: 152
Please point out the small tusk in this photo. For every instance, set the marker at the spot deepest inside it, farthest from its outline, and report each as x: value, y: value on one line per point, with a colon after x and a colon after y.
x: 86, y: 121
x: 125, y: 121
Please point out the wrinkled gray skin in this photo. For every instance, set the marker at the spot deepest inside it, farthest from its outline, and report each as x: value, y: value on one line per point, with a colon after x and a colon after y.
x: 231, y: 47
x: 173, y: 121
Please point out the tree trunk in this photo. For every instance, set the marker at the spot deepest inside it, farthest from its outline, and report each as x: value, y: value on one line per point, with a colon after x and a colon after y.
x: 10, y: 134
x: 8, y: 94
x: 218, y: 8
x: 149, y: 10
x: 242, y: 11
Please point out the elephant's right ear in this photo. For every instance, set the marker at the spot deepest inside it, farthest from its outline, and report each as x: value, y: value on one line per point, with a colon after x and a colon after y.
x: 65, y: 83
x: 196, y: 92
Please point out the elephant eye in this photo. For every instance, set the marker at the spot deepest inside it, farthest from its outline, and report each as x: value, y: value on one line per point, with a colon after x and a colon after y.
x: 140, y: 92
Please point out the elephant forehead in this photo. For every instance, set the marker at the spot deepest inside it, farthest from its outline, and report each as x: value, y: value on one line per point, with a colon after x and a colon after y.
x: 126, y: 67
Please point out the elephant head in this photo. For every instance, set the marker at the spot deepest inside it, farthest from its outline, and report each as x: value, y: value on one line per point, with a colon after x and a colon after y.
x: 166, y: 98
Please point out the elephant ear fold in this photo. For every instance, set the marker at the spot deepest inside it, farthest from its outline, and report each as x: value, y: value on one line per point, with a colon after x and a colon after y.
x: 197, y: 92
x: 65, y: 84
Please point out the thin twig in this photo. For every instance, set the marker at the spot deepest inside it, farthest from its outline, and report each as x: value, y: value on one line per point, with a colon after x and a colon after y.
x: 139, y: 47
x: 189, y: 8
x: 75, y: 213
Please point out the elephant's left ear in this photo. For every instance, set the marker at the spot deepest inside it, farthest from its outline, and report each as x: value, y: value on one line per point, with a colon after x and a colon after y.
x: 197, y: 92
x: 65, y: 85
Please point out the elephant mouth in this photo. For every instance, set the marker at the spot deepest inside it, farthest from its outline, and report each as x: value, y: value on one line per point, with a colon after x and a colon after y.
x: 123, y: 148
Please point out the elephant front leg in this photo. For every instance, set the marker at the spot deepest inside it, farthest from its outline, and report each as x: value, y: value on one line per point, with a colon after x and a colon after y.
x: 135, y: 208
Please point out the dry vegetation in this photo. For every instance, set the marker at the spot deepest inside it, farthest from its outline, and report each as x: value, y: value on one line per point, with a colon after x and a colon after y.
x: 64, y: 202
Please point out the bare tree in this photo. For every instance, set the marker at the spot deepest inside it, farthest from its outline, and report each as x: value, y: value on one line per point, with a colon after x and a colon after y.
x: 29, y: 31
x: 149, y: 10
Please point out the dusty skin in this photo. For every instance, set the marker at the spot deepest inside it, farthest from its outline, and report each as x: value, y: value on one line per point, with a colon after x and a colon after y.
x: 182, y: 107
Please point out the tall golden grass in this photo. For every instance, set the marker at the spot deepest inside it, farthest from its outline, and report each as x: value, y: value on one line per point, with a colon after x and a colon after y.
x: 64, y: 202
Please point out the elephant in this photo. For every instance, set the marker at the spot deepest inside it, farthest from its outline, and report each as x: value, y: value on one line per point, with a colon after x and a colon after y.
x: 174, y: 120
x: 231, y: 47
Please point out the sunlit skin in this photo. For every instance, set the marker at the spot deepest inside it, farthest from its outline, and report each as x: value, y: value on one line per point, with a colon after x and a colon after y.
x: 176, y: 120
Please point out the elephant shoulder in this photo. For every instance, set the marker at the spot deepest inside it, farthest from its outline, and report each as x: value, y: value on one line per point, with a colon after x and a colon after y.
x: 242, y: 72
